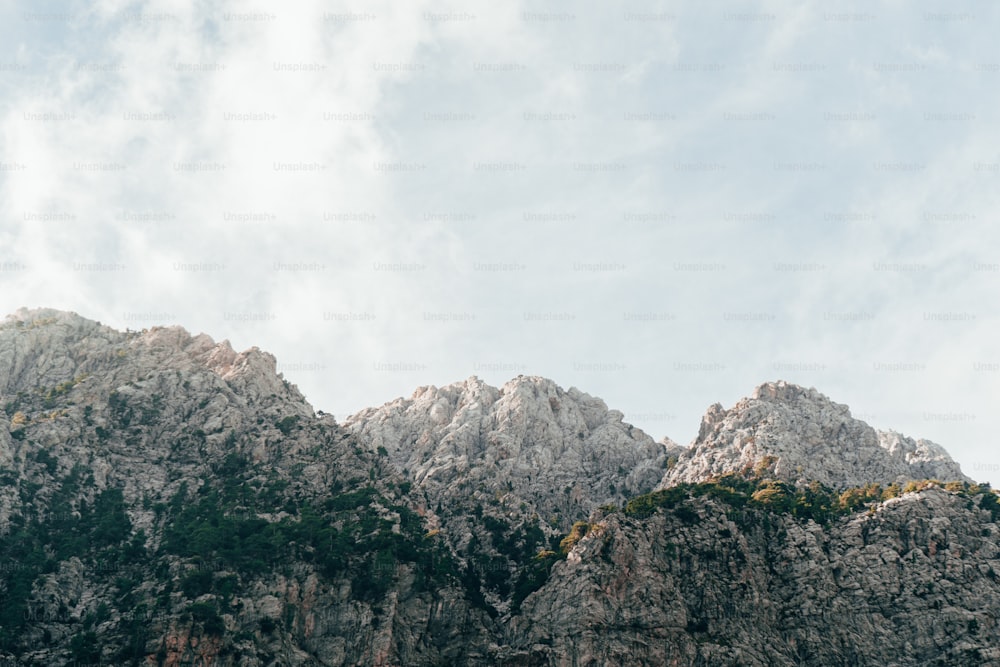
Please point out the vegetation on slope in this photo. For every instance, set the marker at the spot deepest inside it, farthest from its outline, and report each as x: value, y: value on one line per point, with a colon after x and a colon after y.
x: 813, y: 501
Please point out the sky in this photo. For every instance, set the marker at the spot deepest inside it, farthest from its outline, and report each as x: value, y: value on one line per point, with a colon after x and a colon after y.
x: 663, y: 204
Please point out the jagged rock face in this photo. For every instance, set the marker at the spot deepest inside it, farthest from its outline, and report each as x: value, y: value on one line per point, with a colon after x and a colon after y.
x: 524, y: 461
x: 154, y: 495
x: 167, y: 500
x: 926, y: 459
x: 800, y: 434
x: 915, y: 583
x: 48, y: 347
x: 564, y: 452
x: 162, y: 396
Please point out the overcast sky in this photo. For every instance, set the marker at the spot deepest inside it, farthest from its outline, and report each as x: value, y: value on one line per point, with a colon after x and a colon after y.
x: 662, y: 204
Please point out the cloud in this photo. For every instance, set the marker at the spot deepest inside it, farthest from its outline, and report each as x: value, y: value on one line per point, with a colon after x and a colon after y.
x: 662, y: 206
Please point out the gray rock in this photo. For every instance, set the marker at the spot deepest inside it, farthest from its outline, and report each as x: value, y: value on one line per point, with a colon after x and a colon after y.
x: 450, y: 496
x: 913, y: 583
x: 562, y: 451
x: 798, y: 434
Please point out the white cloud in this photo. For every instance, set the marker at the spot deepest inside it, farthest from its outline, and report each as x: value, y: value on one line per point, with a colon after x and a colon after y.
x: 437, y: 187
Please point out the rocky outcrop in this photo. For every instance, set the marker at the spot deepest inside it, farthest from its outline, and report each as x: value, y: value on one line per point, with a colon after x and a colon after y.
x: 164, y: 498
x: 562, y: 451
x: 913, y: 583
x: 167, y: 500
x: 524, y: 461
x: 798, y: 434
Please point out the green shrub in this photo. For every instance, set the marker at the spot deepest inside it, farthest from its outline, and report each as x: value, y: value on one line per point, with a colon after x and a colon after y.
x: 196, y: 583
x: 764, y: 466
x: 644, y: 506
x: 287, y: 424
x: 532, y: 577
x: 576, y: 533
x: 774, y: 495
x: 686, y: 514
x: 84, y: 649
x: 891, y: 491
x: 919, y: 485
x: 47, y: 460
x: 206, y: 615
x: 990, y: 503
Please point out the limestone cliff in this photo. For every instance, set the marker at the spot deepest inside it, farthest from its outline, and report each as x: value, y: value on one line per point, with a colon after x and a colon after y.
x: 167, y: 500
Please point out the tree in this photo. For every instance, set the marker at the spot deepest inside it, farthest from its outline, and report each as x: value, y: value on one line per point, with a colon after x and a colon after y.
x: 576, y: 533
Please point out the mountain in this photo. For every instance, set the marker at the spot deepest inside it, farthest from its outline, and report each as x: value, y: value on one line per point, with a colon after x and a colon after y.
x: 525, y: 461
x: 560, y: 450
x: 702, y: 582
x: 799, y: 434
x: 164, y: 498
x: 167, y: 500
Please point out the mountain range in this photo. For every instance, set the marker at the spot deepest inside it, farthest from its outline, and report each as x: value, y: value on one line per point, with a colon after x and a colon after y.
x: 166, y: 500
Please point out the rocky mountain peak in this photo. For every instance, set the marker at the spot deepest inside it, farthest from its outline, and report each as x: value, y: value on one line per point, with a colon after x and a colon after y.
x: 166, y: 499
x: 561, y: 451
x: 781, y: 391
x: 47, y: 348
x: 50, y: 315
x: 799, y: 434
x: 444, y: 404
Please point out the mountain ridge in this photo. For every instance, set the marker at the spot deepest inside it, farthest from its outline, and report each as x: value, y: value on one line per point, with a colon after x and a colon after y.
x: 801, y: 435
x: 166, y: 500
x: 925, y: 458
